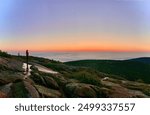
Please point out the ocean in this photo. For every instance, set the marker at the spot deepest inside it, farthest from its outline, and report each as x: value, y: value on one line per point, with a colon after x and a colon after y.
x: 72, y: 56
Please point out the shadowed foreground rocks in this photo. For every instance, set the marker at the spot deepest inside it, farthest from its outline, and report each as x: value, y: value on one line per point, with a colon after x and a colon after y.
x: 69, y: 82
x: 3, y: 95
x: 80, y: 90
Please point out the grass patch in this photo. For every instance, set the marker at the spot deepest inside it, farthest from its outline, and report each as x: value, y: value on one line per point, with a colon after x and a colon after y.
x: 85, y: 77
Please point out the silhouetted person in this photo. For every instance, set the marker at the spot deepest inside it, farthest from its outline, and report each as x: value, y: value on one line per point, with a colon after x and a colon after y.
x: 27, y: 60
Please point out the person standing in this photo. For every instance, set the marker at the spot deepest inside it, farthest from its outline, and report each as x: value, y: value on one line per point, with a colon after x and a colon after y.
x: 27, y: 60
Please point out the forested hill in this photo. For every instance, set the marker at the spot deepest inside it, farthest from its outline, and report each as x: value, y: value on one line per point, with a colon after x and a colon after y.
x: 134, y: 69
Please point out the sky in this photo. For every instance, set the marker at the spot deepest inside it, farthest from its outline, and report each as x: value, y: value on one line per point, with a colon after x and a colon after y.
x: 75, y: 25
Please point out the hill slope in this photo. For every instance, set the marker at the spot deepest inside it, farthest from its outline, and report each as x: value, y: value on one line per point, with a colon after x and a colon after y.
x: 142, y: 59
x: 128, y: 69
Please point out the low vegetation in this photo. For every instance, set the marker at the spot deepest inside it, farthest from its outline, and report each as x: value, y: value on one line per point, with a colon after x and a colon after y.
x: 85, y: 77
x: 4, y: 54
x: 130, y: 70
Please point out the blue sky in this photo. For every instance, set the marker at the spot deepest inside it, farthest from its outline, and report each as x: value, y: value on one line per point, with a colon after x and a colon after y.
x: 66, y: 24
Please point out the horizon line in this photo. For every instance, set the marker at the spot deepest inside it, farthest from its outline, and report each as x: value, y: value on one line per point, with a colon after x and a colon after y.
x: 146, y: 51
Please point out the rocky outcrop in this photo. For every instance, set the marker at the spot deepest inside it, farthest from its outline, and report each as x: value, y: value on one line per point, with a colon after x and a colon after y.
x: 9, y: 77
x: 50, y: 82
x: 32, y: 92
x: 80, y: 90
x: 37, y: 78
x: 3, y: 82
x: 6, y: 89
x: 47, y: 92
x: 3, y: 95
x: 11, y: 64
x: 18, y: 90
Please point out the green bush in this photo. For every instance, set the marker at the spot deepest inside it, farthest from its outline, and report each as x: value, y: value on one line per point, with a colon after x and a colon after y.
x: 4, y: 54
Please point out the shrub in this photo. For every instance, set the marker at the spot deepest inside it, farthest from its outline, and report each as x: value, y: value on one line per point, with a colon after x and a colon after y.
x: 4, y: 54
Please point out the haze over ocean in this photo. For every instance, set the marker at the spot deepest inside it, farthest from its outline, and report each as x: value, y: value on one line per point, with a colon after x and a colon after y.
x: 72, y: 56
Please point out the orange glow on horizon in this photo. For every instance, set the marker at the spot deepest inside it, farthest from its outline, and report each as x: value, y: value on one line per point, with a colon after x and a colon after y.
x: 86, y: 44
x: 82, y: 50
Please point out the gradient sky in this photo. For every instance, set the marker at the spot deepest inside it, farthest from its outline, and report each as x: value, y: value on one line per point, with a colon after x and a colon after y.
x: 75, y: 25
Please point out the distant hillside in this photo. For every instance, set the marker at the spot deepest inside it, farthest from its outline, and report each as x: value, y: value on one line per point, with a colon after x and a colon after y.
x: 128, y: 69
x: 142, y: 59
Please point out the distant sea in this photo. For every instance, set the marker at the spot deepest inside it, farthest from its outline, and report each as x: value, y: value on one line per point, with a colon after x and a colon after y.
x: 71, y: 56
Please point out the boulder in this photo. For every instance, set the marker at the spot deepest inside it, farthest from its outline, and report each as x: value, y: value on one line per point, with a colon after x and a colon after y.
x: 47, y: 92
x: 6, y: 89
x: 9, y: 77
x: 3, y: 82
x: 80, y: 90
x: 61, y: 80
x: 101, y: 92
x: 3, y: 95
x: 15, y: 65
x: 119, y: 92
x: 38, y: 79
x: 51, y: 82
x: 19, y: 91
x: 32, y: 92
